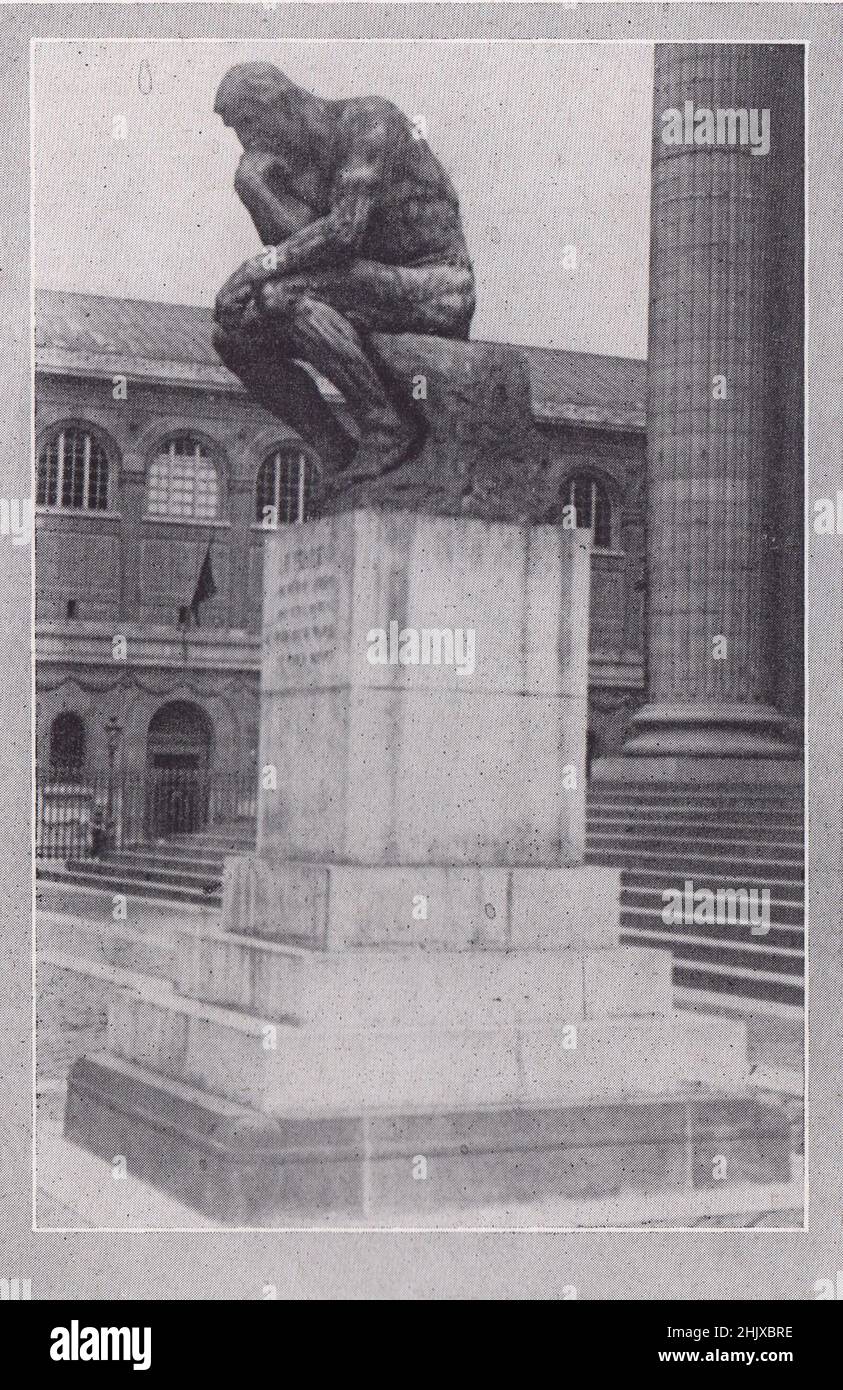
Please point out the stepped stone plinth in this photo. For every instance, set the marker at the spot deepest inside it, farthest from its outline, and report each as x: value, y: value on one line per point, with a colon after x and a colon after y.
x: 416, y: 997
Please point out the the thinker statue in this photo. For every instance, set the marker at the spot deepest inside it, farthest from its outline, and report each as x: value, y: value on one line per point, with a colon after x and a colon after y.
x: 363, y: 235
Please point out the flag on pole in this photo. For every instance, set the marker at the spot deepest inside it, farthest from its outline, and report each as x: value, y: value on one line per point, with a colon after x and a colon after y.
x: 205, y: 586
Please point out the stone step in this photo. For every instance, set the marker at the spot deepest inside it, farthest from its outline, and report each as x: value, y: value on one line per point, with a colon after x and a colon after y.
x: 103, y: 880
x: 694, y: 822
x: 73, y: 997
x: 688, y: 946
x: 152, y: 872
x: 743, y: 869
x: 685, y: 819
x: 143, y: 914
x: 732, y: 820
x: 660, y: 801
x: 276, y: 1068
x: 244, y: 1169
x: 110, y: 944
x: 722, y: 959
x: 732, y: 983
x: 432, y: 989
x: 784, y: 890
x: 784, y: 914
x: 644, y: 793
x: 214, y: 844
x: 725, y: 934
x: 679, y: 843
x: 209, y: 864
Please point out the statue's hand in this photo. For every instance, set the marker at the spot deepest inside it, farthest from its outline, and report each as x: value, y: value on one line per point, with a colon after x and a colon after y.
x: 246, y: 279
x: 230, y: 306
x: 239, y: 291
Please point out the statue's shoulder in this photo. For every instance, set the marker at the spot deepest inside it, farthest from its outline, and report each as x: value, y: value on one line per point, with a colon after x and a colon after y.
x: 370, y: 116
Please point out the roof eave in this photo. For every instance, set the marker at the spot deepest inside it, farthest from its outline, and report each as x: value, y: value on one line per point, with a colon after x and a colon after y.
x: 595, y: 417
x: 208, y: 376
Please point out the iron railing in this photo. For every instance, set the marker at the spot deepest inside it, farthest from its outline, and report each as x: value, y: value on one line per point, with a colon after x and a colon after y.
x: 79, y: 816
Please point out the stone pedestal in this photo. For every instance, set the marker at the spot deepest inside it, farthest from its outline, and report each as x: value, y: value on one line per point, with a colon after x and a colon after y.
x: 424, y: 692
x: 416, y: 998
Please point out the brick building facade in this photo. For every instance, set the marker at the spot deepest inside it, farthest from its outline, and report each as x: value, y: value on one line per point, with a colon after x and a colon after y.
x: 149, y: 454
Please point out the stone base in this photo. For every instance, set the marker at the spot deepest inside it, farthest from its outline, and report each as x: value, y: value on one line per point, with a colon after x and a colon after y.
x: 334, y: 906
x: 483, y: 454
x: 699, y: 730
x: 242, y: 1168
x: 414, y: 1050
x: 422, y: 989
x: 703, y: 771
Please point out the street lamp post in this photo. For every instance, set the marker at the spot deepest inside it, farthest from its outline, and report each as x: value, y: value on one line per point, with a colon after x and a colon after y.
x: 112, y: 740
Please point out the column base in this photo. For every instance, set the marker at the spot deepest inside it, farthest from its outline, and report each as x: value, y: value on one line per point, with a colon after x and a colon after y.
x: 699, y: 730
x: 700, y: 771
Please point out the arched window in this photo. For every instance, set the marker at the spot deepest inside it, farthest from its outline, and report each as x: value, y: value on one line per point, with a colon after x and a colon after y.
x: 592, y: 507
x: 67, y: 745
x: 284, y: 488
x: 72, y: 472
x: 182, y: 481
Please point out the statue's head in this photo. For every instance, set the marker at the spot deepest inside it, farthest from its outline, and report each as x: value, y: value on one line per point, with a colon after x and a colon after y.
x: 262, y: 106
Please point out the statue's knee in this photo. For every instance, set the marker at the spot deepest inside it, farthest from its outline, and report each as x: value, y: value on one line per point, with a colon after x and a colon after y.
x: 225, y: 344
x: 277, y: 299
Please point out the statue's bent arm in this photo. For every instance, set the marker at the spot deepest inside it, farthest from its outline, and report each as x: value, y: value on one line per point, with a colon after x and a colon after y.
x: 329, y: 240
x: 276, y: 213
x: 336, y: 238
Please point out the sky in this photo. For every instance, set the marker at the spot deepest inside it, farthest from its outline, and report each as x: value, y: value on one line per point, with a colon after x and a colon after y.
x: 548, y: 146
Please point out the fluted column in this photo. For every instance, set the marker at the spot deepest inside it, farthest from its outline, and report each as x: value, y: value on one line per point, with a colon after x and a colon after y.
x: 711, y: 438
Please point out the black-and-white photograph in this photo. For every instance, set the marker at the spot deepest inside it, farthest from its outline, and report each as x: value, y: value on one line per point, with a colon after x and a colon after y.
x: 419, y: 642
x: 435, y: 643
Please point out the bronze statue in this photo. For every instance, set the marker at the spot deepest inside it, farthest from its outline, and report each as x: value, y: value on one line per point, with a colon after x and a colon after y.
x: 363, y: 232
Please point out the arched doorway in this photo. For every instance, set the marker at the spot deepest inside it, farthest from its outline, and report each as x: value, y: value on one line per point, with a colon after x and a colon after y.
x: 178, y: 761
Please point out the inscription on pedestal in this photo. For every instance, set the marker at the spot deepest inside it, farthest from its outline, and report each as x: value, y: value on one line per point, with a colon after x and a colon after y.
x: 301, y: 638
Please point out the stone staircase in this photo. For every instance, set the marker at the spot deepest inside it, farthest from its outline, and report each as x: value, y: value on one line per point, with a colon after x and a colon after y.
x: 184, y: 869
x: 717, y: 838
x: 721, y: 838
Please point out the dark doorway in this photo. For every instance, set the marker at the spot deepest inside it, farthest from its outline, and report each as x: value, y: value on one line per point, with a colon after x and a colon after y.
x: 67, y: 746
x: 178, y: 762
x: 590, y: 750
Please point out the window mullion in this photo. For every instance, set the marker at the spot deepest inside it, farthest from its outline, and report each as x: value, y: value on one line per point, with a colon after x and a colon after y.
x: 195, y: 490
x: 86, y: 471
x: 60, y: 478
x: 300, y: 499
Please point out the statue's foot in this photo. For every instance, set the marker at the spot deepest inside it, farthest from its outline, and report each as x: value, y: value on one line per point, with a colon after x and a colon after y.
x: 384, y: 448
